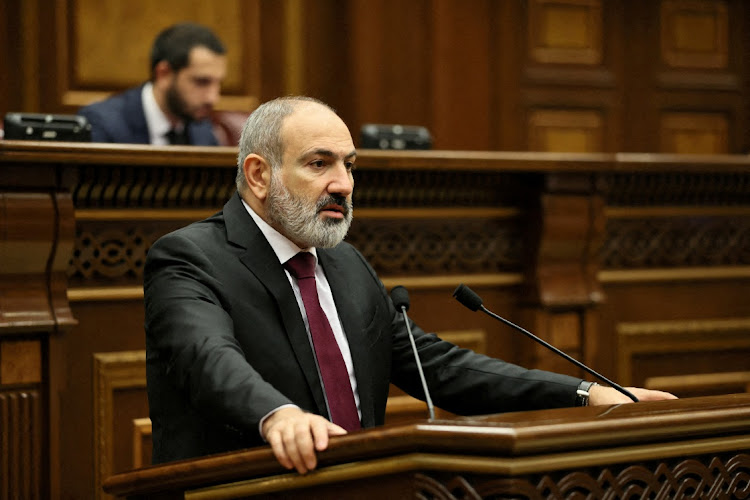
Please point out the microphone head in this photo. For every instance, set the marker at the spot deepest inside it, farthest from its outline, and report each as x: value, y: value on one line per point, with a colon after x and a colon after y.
x: 467, y: 297
x: 400, y: 297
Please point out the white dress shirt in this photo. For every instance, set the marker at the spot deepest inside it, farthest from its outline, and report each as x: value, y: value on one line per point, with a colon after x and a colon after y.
x: 157, y: 122
x: 285, y: 250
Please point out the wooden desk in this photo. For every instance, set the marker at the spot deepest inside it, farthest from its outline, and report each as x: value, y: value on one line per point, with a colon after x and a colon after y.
x: 692, y: 448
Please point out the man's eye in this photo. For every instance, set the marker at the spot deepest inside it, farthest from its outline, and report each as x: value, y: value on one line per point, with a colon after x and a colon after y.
x: 350, y: 165
x: 317, y: 163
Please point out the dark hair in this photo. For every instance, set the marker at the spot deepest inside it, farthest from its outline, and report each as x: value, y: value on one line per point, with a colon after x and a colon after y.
x: 175, y: 43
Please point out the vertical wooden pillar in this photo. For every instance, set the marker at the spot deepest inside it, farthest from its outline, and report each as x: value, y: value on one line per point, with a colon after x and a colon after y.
x: 566, y: 230
x: 36, y: 240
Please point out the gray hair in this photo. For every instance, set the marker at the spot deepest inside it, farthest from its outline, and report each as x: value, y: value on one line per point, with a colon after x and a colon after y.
x: 261, y: 134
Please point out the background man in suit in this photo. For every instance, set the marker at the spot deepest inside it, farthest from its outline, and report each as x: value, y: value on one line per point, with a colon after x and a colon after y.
x: 188, y: 66
x: 238, y: 352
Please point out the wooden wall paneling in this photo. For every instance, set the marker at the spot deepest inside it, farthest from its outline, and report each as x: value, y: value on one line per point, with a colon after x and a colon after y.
x: 460, y: 62
x: 640, y: 36
x: 571, y: 90
x: 36, y: 236
x: 326, y: 60
x: 694, y: 34
x: 19, y: 67
x: 22, y: 423
x: 694, y: 133
x: 108, y: 325
x: 700, y: 71
x: 712, y: 347
x: 569, y: 131
x: 142, y: 442
x: 507, y: 51
x: 113, y: 372
x: 566, y: 31
x: 390, y: 61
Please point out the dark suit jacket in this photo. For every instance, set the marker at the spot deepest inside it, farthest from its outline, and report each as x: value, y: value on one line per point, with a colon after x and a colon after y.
x: 226, y: 343
x: 120, y: 119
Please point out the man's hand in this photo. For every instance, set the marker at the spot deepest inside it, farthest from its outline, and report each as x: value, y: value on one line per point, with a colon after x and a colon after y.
x: 295, y: 436
x: 602, y: 395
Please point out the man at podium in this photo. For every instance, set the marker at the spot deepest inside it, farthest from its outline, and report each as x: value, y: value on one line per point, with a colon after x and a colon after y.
x: 262, y: 325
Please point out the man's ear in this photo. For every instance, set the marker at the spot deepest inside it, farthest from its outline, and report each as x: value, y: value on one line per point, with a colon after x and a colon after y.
x: 257, y: 175
x: 162, y: 72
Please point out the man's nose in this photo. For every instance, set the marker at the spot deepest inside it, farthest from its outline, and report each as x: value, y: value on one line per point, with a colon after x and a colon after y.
x: 342, y: 182
x: 213, y: 93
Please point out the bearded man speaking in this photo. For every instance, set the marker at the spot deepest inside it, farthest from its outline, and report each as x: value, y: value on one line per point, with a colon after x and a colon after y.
x: 263, y: 326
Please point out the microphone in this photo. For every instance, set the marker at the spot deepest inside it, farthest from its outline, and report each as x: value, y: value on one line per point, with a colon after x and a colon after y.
x: 471, y: 300
x: 400, y: 298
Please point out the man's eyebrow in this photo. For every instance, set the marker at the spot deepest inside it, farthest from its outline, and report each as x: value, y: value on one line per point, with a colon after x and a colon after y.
x: 327, y: 153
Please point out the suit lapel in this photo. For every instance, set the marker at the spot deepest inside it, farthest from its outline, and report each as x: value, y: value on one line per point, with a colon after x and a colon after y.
x: 351, y: 321
x: 135, y: 117
x: 261, y: 260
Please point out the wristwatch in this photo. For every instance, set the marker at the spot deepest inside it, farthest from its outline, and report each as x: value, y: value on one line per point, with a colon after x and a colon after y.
x: 582, y: 394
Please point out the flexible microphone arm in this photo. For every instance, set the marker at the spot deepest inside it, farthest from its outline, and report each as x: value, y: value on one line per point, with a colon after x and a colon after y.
x: 471, y: 300
x: 400, y: 298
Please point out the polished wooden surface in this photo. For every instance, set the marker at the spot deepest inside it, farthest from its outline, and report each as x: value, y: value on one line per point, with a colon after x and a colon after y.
x: 518, y: 444
x: 37, y: 230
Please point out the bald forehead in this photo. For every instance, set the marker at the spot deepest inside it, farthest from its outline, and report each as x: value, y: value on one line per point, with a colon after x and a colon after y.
x: 311, y: 124
x: 309, y: 111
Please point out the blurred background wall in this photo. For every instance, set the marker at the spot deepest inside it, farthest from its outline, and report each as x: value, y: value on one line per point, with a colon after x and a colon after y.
x: 538, y: 75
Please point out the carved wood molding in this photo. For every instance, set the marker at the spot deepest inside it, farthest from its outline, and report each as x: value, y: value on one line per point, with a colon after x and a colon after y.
x: 21, y: 444
x: 113, y: 371
x: 643, y: 338
x: 141, y: 439
x: 666, y: 242
x: 713, y: 477
x: 472, y: 477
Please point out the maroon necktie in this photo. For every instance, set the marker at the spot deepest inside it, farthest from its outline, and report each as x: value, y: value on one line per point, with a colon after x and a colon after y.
x: 330, y: 361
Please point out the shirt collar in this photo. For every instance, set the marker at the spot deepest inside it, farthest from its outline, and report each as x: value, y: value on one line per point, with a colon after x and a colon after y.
x: 282, y: 246
x: 157, y: 122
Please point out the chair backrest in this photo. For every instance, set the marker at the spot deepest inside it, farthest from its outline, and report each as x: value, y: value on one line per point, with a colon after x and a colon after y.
x: 228, y: 126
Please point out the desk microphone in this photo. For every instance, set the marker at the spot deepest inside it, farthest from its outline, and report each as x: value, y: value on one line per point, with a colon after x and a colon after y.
x: 471, y: 300
x: 400, y: 298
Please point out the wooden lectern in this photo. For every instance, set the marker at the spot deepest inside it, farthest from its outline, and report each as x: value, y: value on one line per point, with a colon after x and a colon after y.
x: 690, y: 448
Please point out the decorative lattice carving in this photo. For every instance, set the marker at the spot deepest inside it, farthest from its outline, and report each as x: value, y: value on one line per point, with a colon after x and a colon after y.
x: 678, y: 189
x: 112, y: 253
x: 716, y: 477
x: 203, y: 187
x: 147, y: 187
x: 117, y: 252
x: 677, y: 242
x: 394, y: 188
x: 424, y: 247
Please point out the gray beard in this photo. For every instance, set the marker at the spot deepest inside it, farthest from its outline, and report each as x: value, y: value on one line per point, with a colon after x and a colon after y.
x: 299, y: 219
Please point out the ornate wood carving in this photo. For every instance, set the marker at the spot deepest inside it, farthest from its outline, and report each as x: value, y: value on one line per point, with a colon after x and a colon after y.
x: 708, y: 477
x: 678, y: 188
x: 21, y: 444
x: 670, y: 242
